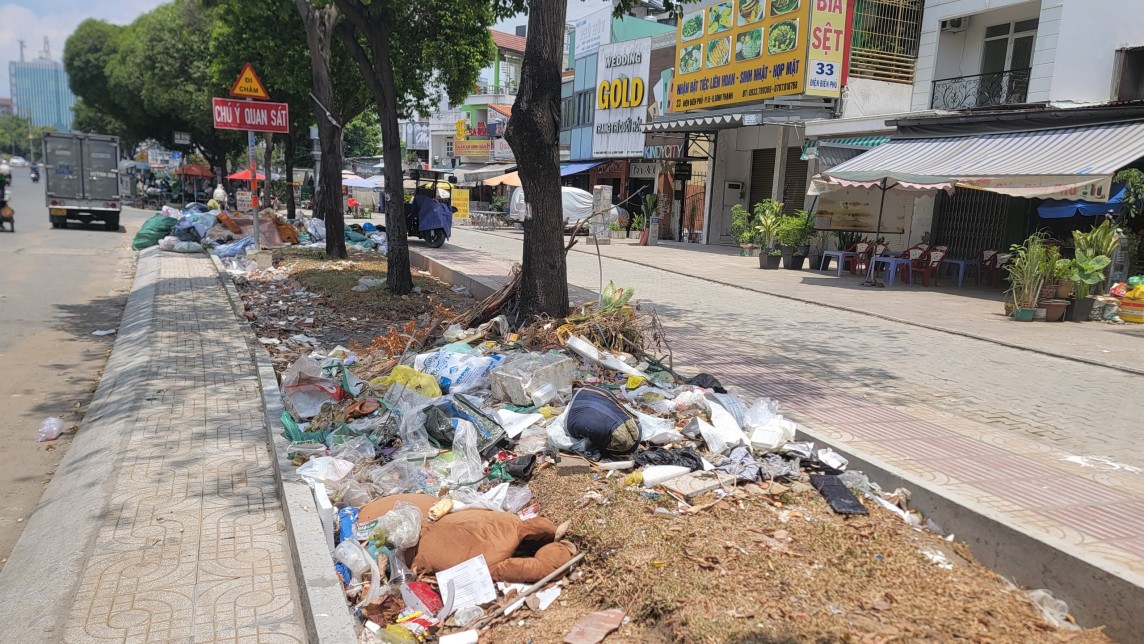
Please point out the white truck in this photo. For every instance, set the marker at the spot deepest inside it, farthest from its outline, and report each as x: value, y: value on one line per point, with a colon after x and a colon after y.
x: 82, y: 173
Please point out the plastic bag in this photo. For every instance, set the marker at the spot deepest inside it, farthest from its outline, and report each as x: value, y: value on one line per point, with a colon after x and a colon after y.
x: 467, y: 468
x: 732, y: 404
x: 465, y: 498
x: 720, y: 439
x: 349, y: 492
x: 516, y: 498
x: 168, y: 243
x: 400, y: 527
x: 423, y: 383
x: 657, y: 431
x: 398, y: 477
x: 154, y: 229
x: 350, y: 554
x: 234, y: 249
x: 457, y: 373
x: 324, y: 469
x: 306, y: 391
x: 316, y: 228
x: 760, y: 413
x: 355, y: 450
x: 50, y: 429
x: 559, y: 437
x: 410, y: 411
x: 1054, y: 610
x: 188, y: 247
x: 532, y: 441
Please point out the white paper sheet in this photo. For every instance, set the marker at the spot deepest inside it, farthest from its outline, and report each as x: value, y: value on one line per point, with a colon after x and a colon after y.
x: 473, y: 585
x: 514, y: 423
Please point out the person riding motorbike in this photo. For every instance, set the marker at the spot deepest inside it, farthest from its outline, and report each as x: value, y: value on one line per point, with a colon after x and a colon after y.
x: 34, y: 173
x: 5, y: 212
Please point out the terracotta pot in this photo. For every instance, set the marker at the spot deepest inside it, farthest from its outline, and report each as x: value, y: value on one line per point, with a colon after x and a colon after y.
x: 1064, y: 289
x: 1055, y: 310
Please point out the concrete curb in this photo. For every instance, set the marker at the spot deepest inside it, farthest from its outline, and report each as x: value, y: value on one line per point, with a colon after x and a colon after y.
x: 328, y: 619
x: 880, y: 316
x: 1096, y: 594
x: 40, y: 581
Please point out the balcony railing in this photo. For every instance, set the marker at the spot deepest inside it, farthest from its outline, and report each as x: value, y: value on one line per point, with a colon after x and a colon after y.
x: 983, y: 90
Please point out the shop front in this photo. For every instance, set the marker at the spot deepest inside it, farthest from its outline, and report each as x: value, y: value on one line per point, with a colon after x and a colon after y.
x: 1008, y: 176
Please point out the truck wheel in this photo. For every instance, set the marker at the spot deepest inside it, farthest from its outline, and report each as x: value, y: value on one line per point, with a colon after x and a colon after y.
x: 111, y: 223
x: 435, y: 238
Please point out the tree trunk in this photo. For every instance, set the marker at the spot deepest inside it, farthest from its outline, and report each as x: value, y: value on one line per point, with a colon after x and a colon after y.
x: 377, y: 71
x: 290, y: 152
x: 268, y: 185
x: 319, y: 23
x: 534, y: 134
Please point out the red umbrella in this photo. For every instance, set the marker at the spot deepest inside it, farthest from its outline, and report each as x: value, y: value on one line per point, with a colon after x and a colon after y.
x: 194, y: 170
x: 245, y: 176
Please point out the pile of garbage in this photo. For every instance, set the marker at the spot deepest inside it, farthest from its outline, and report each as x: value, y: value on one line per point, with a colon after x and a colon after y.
x: 197, y: 228
x: 424, y: 468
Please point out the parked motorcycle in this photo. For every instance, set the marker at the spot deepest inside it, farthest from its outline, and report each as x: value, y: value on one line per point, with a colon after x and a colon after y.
x: 430, y: 219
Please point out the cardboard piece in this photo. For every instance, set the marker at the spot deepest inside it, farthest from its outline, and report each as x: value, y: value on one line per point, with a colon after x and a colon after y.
x: 692, y: 485
x: 594, y: 627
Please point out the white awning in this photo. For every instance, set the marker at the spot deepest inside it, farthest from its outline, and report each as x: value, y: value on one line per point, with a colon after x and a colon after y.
x: 473, y: 174
x: 1070, y: 163
x: 695, y: 123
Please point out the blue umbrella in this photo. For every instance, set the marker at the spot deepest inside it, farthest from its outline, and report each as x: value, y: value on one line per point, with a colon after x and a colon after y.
x: 1063, y: 209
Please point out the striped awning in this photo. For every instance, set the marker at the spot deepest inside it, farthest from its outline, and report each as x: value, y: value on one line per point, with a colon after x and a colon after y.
x: 695, y: 123
x: 855, y: 143
x: 1068, y: 163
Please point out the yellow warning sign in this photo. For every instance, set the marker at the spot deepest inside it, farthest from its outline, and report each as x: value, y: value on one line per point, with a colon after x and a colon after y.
x: 249, y: 85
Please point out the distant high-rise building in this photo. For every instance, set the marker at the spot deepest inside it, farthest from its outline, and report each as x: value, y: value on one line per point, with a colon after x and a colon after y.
x: 5, y: 106
x: 40, y: 91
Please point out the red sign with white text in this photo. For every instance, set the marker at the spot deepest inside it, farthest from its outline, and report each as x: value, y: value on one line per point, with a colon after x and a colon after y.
x: 248, y: 115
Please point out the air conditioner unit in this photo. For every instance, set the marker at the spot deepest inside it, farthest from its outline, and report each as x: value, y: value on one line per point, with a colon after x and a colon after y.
x: 955, y: 25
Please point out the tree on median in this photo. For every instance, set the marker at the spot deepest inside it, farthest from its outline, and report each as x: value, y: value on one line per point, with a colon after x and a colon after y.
x: 409, y: 53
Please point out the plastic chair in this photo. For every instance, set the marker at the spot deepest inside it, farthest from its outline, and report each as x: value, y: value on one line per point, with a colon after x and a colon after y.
x: 861, y: 260
x: 927, y: 266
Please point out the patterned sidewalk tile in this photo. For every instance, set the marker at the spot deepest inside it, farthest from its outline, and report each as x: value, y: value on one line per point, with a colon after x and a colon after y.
x: 193, y: 547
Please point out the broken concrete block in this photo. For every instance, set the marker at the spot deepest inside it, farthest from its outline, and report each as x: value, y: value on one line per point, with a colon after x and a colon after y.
x: 570, y: 465
x: 594, y: 627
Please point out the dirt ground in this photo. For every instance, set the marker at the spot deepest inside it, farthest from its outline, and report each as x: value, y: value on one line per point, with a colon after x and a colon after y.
x: 766, y: 565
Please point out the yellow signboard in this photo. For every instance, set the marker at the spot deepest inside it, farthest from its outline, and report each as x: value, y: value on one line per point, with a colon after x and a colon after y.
x: 471, y: 148
x: 249, y: 85
x: 826, y: 52
x: 461, y: 203
x: 737, y: 51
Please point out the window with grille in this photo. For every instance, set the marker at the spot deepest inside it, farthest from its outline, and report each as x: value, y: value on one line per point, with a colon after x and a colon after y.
x: 884, y: 43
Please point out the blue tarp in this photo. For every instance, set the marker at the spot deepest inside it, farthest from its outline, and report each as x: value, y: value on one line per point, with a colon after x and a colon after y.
x: 576, y: 168
x: 1062, y: 209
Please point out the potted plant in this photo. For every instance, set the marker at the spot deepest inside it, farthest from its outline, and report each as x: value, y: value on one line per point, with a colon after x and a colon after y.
x: 794, y: 235
x: 649, y: 206
x: 817, y: 248
x: 1049, y: 271
x: 768, y: 220
x: 1062, y: 269
x: 743, y: 223
x: 1084, y: 272
x: 1025, y: 276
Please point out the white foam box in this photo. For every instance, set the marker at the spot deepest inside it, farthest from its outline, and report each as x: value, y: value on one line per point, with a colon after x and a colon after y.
x: 517, y: 388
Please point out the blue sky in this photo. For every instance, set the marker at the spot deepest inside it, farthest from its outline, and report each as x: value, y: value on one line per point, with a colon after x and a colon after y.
x: 56, y: 19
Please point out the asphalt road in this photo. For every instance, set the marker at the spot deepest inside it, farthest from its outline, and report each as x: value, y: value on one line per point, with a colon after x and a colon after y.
x: 56, y: 288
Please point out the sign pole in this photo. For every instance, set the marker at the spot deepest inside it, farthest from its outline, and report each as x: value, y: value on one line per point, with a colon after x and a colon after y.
x: 253, y: 163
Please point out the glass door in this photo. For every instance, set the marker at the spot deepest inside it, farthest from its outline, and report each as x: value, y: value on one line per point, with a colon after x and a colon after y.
x: 1005, y: 62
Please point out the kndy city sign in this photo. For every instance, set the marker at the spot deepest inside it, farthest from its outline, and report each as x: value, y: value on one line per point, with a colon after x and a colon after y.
x: 738, y: 51
x: 621, y: 98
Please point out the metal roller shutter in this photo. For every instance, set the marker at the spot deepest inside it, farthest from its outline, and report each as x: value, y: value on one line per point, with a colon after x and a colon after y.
x: 762, y: 175
x: 794, y: 186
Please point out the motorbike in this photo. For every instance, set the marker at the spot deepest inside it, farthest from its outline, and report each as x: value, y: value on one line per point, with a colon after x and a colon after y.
x: 430, y: 219
x: 35, y: 175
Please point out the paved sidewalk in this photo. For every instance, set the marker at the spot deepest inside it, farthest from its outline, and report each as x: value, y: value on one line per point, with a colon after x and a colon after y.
x: 972, y: 311
x: 168, y: 527
x: 1036, y: 443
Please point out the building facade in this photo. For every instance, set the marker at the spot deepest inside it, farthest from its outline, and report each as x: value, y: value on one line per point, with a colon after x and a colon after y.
x: 40, y: 93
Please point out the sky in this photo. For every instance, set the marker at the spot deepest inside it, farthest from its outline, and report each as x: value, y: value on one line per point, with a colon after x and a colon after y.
x: 54, y: 19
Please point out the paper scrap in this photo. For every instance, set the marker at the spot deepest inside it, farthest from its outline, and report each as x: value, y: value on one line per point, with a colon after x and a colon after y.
x: 464, y: 637
x: 473, y: 585
x: 514, y: 423
x: 104, y: 332
x: 548, y: 595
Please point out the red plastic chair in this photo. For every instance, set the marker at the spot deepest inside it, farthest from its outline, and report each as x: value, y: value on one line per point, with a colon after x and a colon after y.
x: 861, y: 260
x: 927, y: 266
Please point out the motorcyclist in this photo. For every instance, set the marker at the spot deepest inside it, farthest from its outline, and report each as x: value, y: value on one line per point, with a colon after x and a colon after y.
x: 5, y: 181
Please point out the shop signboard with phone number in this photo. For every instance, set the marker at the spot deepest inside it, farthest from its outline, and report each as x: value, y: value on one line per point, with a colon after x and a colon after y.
x: 740, y: 51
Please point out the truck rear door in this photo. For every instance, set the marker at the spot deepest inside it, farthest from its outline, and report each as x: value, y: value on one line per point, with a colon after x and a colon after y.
x: 101, y: 168
x: 63, y: 165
